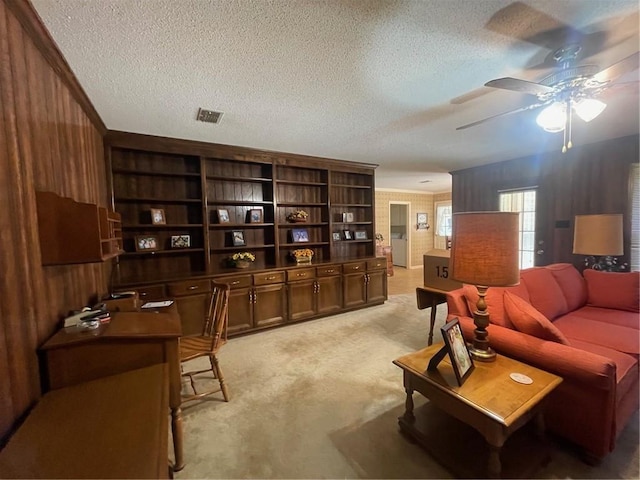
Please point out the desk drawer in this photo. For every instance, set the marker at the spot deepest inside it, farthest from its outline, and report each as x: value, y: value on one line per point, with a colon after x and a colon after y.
x: 240, y: 281
x: 377, y: 264
x: 189, y: 287
x: 268, y: 278
x: 329, y: 271
x: 354, y: 267
x: 300, y: 274
x: 154, y: 292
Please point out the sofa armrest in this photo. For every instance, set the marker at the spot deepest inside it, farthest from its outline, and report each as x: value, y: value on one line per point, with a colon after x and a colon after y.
x: 457, y: 303
x: 568, y: 362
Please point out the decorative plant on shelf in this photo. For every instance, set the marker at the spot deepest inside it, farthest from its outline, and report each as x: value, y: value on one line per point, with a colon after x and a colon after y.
x: 298, y: 216
x: 302, y: 255
x: 242, y: 259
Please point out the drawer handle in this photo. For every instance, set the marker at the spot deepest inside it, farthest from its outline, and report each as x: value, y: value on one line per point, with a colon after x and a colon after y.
x: 356, y: 268
x: 236, y: 282
x: 272, y: 277
x: 143, y: 294
x: 330, y: 271
x: 192, y: 287
x: 301, y: 275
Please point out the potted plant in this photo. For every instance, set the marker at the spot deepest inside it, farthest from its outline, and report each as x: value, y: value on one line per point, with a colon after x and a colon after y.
x: 242, y: 259
x: 298, y: 216
x: 302, y: 256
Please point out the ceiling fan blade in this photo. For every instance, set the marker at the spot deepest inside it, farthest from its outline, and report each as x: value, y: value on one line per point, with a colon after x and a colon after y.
x: 517, y: 85
x: 504, y: 114
x: 618, y: 69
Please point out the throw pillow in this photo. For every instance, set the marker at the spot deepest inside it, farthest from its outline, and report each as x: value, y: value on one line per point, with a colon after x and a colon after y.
x: 494, y: 301
x: 530, y: 321
x: 620, y: 291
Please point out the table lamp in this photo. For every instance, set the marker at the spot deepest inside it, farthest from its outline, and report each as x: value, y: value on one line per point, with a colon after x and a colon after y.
x: 485, y: 253
x: 599, y: 236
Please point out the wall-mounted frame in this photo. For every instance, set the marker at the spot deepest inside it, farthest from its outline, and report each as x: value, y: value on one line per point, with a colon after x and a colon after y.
x: 237, y: 238
x: 360, y: 235
x: 457, y: 350
x: 255, y: 215
x: 336, y: 236
x: 422, y: 221
x: 158, y: 216
x: 147, y: 243
x: 223, y: 215
x: 347, y: 235
x: 299, y: 235
x: 180, y: 241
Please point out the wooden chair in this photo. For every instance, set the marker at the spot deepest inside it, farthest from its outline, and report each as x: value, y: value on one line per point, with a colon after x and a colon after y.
x: 214, y: 336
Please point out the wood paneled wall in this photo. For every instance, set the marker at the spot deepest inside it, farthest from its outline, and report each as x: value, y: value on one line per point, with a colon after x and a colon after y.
x: 50, y: 139
x: 588, y: 179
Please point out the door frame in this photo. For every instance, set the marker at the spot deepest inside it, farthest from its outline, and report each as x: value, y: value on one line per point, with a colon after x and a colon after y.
x: 407, y: 221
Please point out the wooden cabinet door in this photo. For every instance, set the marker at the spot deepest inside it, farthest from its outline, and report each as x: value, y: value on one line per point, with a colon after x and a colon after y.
x: 354, y: 290
x: 302, y: 300
x: 377, y: 286
x: 240, y: 310
x: 328, y: 294
x: 192, y: 309
x: 269, y: 305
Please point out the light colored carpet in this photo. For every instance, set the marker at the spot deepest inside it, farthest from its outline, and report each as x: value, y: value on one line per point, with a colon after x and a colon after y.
x: 320, y: 399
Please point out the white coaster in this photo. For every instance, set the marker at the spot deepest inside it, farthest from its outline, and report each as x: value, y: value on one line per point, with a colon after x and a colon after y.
x: 520, y: 378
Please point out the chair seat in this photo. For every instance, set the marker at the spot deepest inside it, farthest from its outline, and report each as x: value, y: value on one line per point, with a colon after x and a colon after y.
x: 197, y: 346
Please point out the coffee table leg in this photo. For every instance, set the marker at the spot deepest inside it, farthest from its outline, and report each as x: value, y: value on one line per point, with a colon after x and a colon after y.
x: 434, y: 311
x: 408, y: 406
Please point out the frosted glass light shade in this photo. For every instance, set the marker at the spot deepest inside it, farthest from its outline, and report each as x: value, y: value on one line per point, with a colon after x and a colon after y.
x: 588, y: 108
x: 598, y: 235
x: 553, y: 118
x: 484, y: 249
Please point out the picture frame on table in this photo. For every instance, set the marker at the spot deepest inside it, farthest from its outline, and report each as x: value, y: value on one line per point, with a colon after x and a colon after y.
x: 223, y: 215
x: 237, y: 238
x: 360, y: 235
x: 299, y: 235
x: 147, y: 243
x: 255, y: 215
x: 180, y: 241
x: 158, y: 217
x: 457, y: 349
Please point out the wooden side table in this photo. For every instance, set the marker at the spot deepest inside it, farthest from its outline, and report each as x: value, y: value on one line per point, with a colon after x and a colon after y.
x: 490, y: 401
x: 428, y: 297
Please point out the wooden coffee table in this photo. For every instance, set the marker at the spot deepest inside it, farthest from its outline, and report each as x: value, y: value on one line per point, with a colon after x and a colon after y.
x: 489, y: 400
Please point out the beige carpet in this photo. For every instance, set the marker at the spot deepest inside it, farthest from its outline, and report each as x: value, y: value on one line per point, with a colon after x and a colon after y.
x: 320, y: 399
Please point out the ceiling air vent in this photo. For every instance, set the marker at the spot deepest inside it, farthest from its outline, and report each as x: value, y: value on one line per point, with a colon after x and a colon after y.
x: 209, y: 116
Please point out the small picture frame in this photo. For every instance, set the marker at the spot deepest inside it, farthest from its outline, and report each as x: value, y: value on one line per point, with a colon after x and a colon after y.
x: 223, y: 215
x: 237, y: 238
x: 299, y: 235
x: 255, y: 215
x: 336, y: 236
x: 347, y: 235
x: 180, y: 241
x: 147, y: 243
x: 422, y: 220
x: 360, y: 235
x: 158, y: 217
x: 347, y: 217
x: 457, y: 349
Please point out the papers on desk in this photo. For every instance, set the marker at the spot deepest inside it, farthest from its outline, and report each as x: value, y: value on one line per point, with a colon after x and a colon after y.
x: 164, y: 303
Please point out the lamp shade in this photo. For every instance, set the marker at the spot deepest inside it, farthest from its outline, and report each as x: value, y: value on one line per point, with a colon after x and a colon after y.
x: 484, y: 249
x: 598, y: 235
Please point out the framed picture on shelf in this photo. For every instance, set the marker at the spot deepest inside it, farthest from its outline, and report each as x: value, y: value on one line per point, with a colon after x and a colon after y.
x: 223, y: 215
x: 347, y: 234
x: 180, y: 241
x: 299, y: 235
x: 255, y: 215
x: 360, y: 235
x: 158, y: 217
x: 347, y: 217
x: 147, y: 243
x: 237, y: 237
x: 336, y: 236
x: 457, y: 349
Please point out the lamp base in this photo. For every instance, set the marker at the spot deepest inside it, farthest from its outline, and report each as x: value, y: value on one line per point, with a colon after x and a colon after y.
x: 488, y: 355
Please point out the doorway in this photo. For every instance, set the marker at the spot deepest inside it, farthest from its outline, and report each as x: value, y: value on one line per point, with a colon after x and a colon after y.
x: 399, y: 232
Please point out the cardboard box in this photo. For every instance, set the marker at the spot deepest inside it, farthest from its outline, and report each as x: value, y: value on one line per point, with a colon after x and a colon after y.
x: 436, y: 271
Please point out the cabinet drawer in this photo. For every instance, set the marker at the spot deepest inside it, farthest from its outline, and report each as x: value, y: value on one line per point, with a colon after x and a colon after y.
x: 300, y: 274
x: 189, y: 287
x: 241, y: 281
x: 377, y: 264
x: 354, y: 267
x: 267, y: 278
x: 153, y: 292
x: 329, y: 271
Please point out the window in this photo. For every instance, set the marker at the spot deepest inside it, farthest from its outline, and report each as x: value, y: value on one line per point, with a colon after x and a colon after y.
x: 523, y: 201
x: 635, y: 217
x: 443, y: 224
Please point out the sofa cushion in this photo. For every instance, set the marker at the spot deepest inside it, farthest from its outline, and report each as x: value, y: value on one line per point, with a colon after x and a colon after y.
x: 608, y: 315
x: 545, y: 293
x: 599, y: 332
x: 626, y: 365
x: 495, y: 301
x: 613, y: 290
x: 530, y: 321
x: 572, y: 284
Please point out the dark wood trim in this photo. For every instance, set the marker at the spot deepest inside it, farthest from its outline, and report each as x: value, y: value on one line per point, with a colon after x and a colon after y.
x: 37, y: 32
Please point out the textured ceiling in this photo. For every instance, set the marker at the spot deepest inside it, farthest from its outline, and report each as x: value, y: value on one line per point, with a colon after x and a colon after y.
x: 383, y: 82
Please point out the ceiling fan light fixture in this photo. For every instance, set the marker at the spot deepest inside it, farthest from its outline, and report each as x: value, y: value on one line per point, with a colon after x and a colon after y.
x: 553, y: 118
x: 589, y: 108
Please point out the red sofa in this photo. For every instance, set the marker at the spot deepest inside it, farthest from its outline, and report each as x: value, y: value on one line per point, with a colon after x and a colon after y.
x: 582, y: 328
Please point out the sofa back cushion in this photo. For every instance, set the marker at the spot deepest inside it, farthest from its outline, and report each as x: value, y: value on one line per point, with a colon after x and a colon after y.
x: 620, y: 291
x: 527, y: 319
x: 495, y: 301
x: 572, y: 284
x: 545, y: 293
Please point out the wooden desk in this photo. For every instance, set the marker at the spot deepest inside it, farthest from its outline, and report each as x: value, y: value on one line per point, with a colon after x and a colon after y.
x: 428, y: 297
x: 131, y: 340
x: 489, y: 400
x: 112, y: 427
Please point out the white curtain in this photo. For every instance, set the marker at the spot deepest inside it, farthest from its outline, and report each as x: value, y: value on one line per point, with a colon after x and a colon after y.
x: 443, y: 220
x: 635, y: 217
